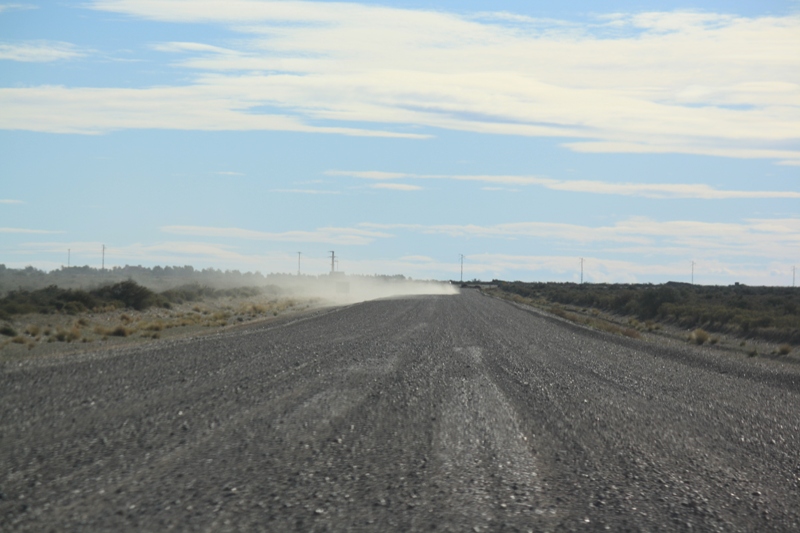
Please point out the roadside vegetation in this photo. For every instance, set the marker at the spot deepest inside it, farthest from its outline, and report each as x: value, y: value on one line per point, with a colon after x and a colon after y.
x: 770, y: 314
x: 126, y: 311
x: 125, y: 294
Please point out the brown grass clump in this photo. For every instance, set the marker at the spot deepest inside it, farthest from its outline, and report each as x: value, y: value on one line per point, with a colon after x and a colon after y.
x: 699, y: 336
x: 82, y: 322
x: 632, y: 333
x: 19, y: 339
x: 125, y: 318
x: 785, y: 349
x: 158, y: 325
x: 33, y: 330
x: 753, y: 352
x: 63, y: 335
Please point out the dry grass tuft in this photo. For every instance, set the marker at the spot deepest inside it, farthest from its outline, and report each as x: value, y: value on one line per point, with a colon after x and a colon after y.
x: 699, y: 336
x: 785, y: 349
x: 632, y: 333
x: 157, y: 325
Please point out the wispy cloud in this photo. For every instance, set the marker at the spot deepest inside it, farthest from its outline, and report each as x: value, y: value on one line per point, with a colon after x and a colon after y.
x: 175, y: 252
x: 646, y: 190
x: 396, y: 186
x: 11, y: 201
x: 39, y: 51
x: 342, y: 236
x: 305, y: 191
x: 766, y: 238
x: 676, y: 82
x: 16, y: 7
x: 229, y: 173
x: 29, y: 231
x: 199, y: 107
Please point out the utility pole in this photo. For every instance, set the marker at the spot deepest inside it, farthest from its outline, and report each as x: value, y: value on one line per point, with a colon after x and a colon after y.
x: 693, y: 263
x: 581, y: 270
x: 69, y: 252
x: 462, y: 268
x: 103, y: 268
x: 333, y: 261
x: 298, y: 263
x: 794, y: 268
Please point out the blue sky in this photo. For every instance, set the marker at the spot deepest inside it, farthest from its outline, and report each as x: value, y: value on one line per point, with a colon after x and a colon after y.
x: 638, y: 135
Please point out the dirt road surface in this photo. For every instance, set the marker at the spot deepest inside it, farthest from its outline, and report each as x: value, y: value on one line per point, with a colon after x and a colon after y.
x: 431, y: 413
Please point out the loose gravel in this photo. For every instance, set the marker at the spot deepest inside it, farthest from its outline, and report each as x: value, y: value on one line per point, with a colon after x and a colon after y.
x: 445, y: 413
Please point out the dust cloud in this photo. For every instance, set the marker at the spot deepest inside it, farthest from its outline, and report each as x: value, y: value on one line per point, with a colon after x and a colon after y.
x: 343, y: 290
x: 336, y: 288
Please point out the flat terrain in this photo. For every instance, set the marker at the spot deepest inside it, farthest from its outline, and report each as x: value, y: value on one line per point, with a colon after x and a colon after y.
x: 447, y: 413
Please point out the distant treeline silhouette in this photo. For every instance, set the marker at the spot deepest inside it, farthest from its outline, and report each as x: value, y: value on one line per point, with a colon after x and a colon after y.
x: 156, y: 278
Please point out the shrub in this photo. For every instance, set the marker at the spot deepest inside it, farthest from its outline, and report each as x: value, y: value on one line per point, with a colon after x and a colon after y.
x: 129, y: 293
x: 784, y: 349
x: 699, y: 336
x: 120, y: 331
x: 8, y: 331
x: 19, y: 339
x: 33, y: 330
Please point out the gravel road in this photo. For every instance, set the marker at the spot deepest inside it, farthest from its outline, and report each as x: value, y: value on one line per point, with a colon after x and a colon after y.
x: 445, y: 413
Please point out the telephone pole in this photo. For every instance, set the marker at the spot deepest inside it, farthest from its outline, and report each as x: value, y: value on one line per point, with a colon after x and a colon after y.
x: 462, y: 268
x: 794, y: 268
x: 103, y: 267
x: 333, y: 262
x: 581, y: 270
x: 69, y: 252
x: 298, y: 263
x: 693, y: 263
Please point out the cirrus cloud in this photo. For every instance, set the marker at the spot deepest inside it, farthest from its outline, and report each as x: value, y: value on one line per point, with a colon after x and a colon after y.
x: 674, y: 82
x: 342, y: 236
x: 646, y: 190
